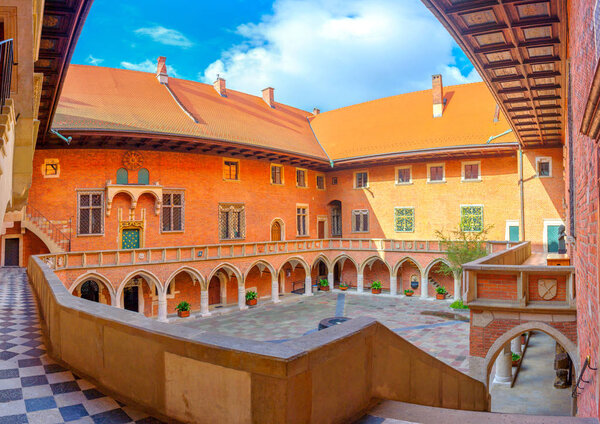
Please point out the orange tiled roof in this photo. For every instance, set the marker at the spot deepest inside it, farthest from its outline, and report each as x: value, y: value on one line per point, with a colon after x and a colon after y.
x: 405, y: 123
x: 98, y: 98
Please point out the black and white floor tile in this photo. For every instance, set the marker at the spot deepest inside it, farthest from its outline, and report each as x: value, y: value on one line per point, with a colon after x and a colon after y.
x: 33, y: 388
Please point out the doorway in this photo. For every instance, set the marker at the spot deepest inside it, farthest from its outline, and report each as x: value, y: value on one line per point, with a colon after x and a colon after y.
x: 321, y: 229
x: 276, y: 231
x: 90, y: 291
x: 11, y: 252
x: 214, y: 291
x: 130, y: 298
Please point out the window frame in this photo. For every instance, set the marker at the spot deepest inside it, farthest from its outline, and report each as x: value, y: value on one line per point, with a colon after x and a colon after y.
x: 334, y: 180
x: 242, y: 224
x: 317, y: 182
x: 355, y: 178
x: 237, y: 161
x: 275, y: 165
x: 306, y: 222
x: 482, y: 217
x: 305, y: 171
x: 51, y: 163
x: 413, y: 216
x: 171, y: 207
x: 102, y: 212
x: 463, y: 165
x: 539, y: 159
x: 398, y: 168
x: 362, y: 213
x: 434, y: 165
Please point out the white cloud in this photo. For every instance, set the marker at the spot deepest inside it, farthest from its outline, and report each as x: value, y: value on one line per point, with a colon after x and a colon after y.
x: 148, y: 66
x: 94, y: 60
x: 170, y: 37
x: 332, y: 53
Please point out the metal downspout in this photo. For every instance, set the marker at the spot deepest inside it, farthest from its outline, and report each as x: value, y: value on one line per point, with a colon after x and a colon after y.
x: 522, y: 194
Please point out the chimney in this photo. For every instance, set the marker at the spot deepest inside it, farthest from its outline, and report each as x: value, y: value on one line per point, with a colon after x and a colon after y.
x: 219, y: 85
x: 438, y: 95
x: 268, y: 96
x: 316, y: 111
x: 161, y: 70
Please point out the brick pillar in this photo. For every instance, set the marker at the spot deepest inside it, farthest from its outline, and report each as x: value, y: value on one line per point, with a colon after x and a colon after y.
x: 308, y: 285
x: 393, y: 285
x: 242, y: 298
x: 162, y: 306
x: 275, y: 289
x: 204, y: 303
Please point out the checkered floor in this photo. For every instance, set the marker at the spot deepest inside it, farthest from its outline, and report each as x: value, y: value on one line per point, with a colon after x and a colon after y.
x: 35, y: 389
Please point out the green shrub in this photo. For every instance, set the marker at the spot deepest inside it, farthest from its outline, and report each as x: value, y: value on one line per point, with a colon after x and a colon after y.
x: 183, y: 306
x: 376, y: 285
x: 515, y: 356
x: 406, y: 291
x: 343, y: 285
x: 323, y: 282
x: 441, y: 290
x: 458, y: 304
x: 251, y: 295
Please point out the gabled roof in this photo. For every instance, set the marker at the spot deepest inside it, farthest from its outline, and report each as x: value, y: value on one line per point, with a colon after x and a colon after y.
x: 405, y: 123
x: 108, y: 99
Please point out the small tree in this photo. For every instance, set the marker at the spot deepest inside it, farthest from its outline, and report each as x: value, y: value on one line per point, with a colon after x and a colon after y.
x: 462, y: 246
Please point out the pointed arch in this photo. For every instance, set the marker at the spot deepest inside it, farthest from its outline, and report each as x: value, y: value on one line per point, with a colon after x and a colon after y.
x: 277, y: 228
x: 343, y: 257
x: 147, y: 275
x: 371, y: 260
x: 98, y: 278
x: 434, y: 263
x: 262, y: 264
x: 192, y: 272
x: 230, y: 269
x: 407, y: 259
x: 295, y: 261
x: 323, y: 259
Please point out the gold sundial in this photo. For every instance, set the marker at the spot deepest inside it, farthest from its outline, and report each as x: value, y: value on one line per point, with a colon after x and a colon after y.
x: 133, y: 160
x: 547, y: 288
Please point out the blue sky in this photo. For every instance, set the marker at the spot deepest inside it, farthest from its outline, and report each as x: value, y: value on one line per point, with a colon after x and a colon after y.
x: 315, y: 53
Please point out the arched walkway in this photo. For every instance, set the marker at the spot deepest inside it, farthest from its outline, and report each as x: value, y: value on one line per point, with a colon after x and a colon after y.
x: 345, y: 270
x: 139, y: 292
x: 184, y: 284
x: 261, y: 277
x: 408, y: 273
x: 375, y: 269
x: 321, y: 270
x: 231, y: 285
x: 436, y: 278
x: 296, y: 276
x: 105, y: 291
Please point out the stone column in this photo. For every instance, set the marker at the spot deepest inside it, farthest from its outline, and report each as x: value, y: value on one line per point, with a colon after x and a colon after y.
x: 275, y: 289
x: 359, y: 282
x: 424, y: 287
x: 457, y: 288
x: 162, y: 306
x: 242, y: 298
x: 204, y: 303
x: 116, y: 301
x: 308, y: 285
x: 393, y: 285
x: 330, y: 279
x: 504, y: 366
x: 515, y: 345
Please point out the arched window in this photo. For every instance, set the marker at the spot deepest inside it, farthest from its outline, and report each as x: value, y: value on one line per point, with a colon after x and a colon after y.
x: 143, y: 176
x: 122, y: 176
x: 90, y: 291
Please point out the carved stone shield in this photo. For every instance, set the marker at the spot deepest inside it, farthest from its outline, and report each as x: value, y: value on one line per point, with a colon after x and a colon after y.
x: 547, y: 288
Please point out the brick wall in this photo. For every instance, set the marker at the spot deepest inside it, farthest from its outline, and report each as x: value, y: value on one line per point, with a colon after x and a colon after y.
x: 497, y: 287
x: 561, y: 287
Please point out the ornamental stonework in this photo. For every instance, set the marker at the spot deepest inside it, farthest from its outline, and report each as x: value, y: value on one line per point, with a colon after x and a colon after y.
x: 133, y: 160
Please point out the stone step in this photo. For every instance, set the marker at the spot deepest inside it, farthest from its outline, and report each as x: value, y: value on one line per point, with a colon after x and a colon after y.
x: 392, y: 412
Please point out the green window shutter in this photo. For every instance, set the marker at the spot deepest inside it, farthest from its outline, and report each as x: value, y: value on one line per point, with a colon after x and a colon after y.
x: 553, y: 238
x: 122, y: 176
x: 143, y: 177
x: 513, y: 233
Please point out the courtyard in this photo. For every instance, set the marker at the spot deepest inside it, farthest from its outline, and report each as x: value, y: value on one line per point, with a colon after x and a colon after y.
x: 429, y: 324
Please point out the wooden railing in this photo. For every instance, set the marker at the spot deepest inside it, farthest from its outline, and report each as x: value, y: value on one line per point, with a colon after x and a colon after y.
x: 151, y: 255
x: 509, y: 270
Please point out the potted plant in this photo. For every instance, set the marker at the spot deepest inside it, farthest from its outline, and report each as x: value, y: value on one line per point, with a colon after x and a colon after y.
x: 343, y: 286
x: 323, y: 284
x: 441, y: 293
x: 376, y: 287
x: 408, y: 292
x: 251, y: 298
x: 523, y: 338
x: 516, y: 358
x: 183, y: 309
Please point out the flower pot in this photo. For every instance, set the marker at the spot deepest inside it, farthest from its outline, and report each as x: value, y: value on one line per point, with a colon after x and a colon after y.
x: 251, y: 302
x: 440, y: 296
x: 183, y: 314
x: 516, y: 363
x: 343, y: 288
x: 324, y: 288
x: 523, y: 338
x: 408, y: 294
x: 375, y: 291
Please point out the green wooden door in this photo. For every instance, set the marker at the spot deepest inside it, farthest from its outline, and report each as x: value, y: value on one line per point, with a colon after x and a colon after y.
x: 131, y: 239
x: 513, y: 233
x: 553, y: 238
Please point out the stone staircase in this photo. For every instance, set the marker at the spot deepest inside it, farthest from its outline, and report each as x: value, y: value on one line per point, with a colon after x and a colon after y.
x: 435, y: 285
x: 50, y: 233
x: 392, y: 412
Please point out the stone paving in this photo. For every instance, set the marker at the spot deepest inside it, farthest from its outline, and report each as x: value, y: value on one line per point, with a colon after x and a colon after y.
x: 447, y: 338
x: 35, y: 389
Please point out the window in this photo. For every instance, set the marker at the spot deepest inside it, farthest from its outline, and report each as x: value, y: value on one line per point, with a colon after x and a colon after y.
x: 231, y: 170
x: 336, y: 221
x: 302, y: 220
x: 143, y: 176
x: 51, y: 168
x: 471, y: 218
x: 403, y: 175
x: 435, y: 173
x: 470, y: 171
x: 404, y: 220
x: 172, y: 211
x: 300, y: 177
x: 122, y: 176
x: 320, y: 182
x: 276, y: 174
x: 544, y: 167
x: 90, y: 213
x: 232, y: 221
x: 333, y: 180
x: 361, y: 179
x: 360, y: 221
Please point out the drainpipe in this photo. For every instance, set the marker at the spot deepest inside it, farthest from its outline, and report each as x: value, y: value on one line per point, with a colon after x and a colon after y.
x: 62, y: 137
x: 522, y: 193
